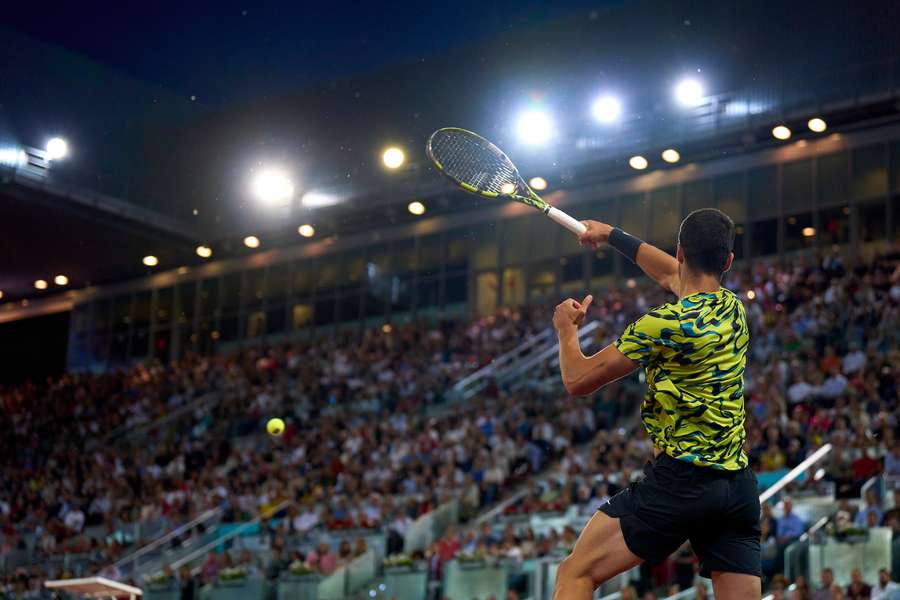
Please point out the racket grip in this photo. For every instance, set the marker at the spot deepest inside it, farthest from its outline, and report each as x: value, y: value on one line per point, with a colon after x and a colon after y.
x: 573, y: 225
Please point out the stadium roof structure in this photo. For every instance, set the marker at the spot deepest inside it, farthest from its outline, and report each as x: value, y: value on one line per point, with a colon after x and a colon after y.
x: 154, y: 172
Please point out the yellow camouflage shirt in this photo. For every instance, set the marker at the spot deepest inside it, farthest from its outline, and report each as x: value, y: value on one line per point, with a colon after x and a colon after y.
x: 694, y: 352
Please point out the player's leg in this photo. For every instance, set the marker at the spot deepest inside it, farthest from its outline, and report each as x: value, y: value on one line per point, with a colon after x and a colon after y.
x: 599, y: 554
x: 736, y: 586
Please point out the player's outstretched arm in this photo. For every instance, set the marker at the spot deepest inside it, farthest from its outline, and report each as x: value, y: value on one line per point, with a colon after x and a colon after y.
x: 582, y: 374
x: 659, y: 266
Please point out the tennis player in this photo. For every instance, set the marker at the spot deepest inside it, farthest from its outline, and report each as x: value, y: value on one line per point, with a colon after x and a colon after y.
x: 698, y: 487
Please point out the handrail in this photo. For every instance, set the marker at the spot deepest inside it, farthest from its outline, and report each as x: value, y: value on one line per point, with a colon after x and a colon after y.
x: 535, y: 359
x: 150, y: 547
x: 795, y: 473
x: 460, y: 387
x: 143, y: 428
x: 231, y: 534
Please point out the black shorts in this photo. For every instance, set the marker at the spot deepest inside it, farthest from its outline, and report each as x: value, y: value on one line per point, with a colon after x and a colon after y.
x: 718, y: 511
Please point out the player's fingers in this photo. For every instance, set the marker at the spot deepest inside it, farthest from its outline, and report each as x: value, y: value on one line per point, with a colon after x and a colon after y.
x: 586, y: 303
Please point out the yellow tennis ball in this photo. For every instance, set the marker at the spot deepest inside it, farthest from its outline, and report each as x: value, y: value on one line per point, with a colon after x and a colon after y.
x: 275, y: 426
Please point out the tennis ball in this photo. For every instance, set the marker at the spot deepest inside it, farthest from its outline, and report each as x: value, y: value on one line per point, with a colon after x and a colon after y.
x: 275, y: 426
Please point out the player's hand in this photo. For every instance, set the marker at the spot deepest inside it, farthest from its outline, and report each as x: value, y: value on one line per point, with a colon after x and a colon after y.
x: 597, y: 233
x: 570, y: 314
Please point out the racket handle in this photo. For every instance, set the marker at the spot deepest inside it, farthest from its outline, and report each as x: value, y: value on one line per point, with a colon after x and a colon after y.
x: 573, y: 225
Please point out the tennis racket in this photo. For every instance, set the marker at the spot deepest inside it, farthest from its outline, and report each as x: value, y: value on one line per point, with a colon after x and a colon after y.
x: 479, y: 167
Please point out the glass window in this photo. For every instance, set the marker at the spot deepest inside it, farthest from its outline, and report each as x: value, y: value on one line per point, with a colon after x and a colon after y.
x: 256, y: 324
x: 873, y: 221
x: 764, y: 239
x: 544, y: 237
x: 798, y: 232
x: 231, y: 298
x: 834, y: 225
x: 458, y: 243
x: 664, y: 224
x: 102, y: 315
x: 430, y: 258
x: 730, y: 196
x: 514, y: 286
x: 457, y: 289
x: 516, y: 245
x: 572, y: 267
x: 895, y: 166
x: 165, y: 298
x: 486, y: 292
x: 405, y: 256
x: 634, y: 219
x: 121, y: 317
x: 542, y: 280
x: 302, y: 281
x: 141, y: 312
x: 428, y: 292
x: 186, y: 304
x: 209, y: 297
x: 832, y: 179
x: 763, y: 193
x: 348, y: 307
x: 81, y: 317
x: 796, y: 186
x: 602, y: 262
x: 697, y: 194
x: 301, y: 315
x: 323, y: 314
x: 327, y: 276
x: 276, y: 320
x: 869, y: 172
x: 254, y: 287
x: 277, y: 283
x: 352, y: 272
x: 228, y: 331
x: 401, y: 293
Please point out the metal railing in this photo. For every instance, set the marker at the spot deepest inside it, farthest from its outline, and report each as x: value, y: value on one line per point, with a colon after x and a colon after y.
x: 794, y: 473
x: 541, y: 357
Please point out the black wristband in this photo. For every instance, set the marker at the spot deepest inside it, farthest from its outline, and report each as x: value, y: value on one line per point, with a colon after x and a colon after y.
x: 624, y: 243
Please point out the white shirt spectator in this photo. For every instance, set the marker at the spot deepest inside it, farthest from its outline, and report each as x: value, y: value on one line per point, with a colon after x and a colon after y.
x: 800, y: 391
x: 75, y: 520
x: 834, y: 386
x: 854, y: 361
x: 888, y: 592
x: 306, y: 520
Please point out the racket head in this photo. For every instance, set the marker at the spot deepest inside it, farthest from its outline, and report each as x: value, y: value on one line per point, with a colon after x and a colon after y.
x: 478, y: 166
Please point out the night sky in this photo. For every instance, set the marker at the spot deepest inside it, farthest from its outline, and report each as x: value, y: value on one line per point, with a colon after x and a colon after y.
x: 222, y: 52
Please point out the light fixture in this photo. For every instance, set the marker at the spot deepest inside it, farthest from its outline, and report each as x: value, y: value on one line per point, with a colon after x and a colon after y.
x: 781, y: 132
x: 817, y: 124
x: 416, y: 208
x: 751, y: 294
x: 251, y: 241
x: 273, y: 187
x: 689, y: 92
x: 1, y: 294
x: 808, y: 231
x: 507, y: 188
x: 393, y: 158
x: 538, y: 183
x: 204, y: 251
x: 670, y: 155
x: 606, y: 109
x: 534, y: 127
x: 57, y: 148
x: 151, y: 261
x: 61, y: 280
x: 40, y: 284
x: 13, y: 157
x: 306, y: 230
x: 386, y: 328
x: 638, y: 162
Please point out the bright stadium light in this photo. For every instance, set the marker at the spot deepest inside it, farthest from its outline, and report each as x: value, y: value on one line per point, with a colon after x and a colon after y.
x: 638, y: 162
x: 606, y: 109
x: 416, y: 208
x: 808, y: 231
x: 671, y: 155
x: 57, y: 148
x: 534, y: 127
x: 537, y: 183
x: 251, y: 241
x: 689, y: 92
x: 314, y: 199
x: 781, y: 132
x: 204, y: 251
x: 817, y: 125
x: 61, y: 280
x: 273, y: 187
x: 13, y: 157
x: 507, y: 188
x: 150, y: 260
x: 40, y: 284
x: 393, y: 158
x: 1, y: 294
x: 306, y: 230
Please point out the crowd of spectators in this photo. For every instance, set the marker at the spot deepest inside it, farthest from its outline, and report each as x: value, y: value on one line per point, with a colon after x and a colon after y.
x: 362, y: 450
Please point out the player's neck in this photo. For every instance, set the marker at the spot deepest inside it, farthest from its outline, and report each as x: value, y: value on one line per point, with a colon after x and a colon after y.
x: 692, y: 283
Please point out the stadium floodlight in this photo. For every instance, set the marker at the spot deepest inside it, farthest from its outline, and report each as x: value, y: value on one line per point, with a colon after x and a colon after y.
x: 314, y: 199
x: 204, y: 251
x: 393, y: 158
x: 40, y: 284
x: 606, y: 109
x: 306, y: 230
x: 13, y: 157
x: 416, y: 208
x: 57, y: 148
x: 537, y: 183
x: 781, y: 132
x: 1, y: 294
x: 273, y: 187
x: 817, y: 125
x: 507, y: 188
x: 150, y: 260
x: 638, y: 162
x: 61, y: 280
x: 671, y: 155
x: 689, y: 92
x: 808, y: 231
x: 251, y: 241
x: 534, y: 127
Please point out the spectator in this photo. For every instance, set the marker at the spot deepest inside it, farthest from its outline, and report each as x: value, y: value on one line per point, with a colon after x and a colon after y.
x: 885, y: 589
x: 824, y: 592
x: 872, y: 507
x: 789, y: 527
x: 858, y: 589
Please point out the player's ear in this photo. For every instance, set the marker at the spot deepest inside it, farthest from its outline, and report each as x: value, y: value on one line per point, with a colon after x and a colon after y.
x: 679, y: 254
x: 728, y: 262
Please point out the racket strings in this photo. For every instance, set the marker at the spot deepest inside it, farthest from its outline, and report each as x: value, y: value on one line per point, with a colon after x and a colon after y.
x: 474, y: 161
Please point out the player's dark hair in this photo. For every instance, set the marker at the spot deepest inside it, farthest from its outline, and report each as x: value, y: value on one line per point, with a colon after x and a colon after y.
x: 707, y: 237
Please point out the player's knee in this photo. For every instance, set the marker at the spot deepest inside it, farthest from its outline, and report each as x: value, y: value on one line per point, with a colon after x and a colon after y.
x: 574, y: 567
